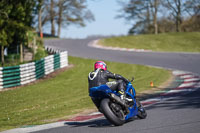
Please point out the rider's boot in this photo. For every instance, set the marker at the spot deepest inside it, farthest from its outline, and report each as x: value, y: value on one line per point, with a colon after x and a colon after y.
x: 123, y: 98
x: 123, y: 95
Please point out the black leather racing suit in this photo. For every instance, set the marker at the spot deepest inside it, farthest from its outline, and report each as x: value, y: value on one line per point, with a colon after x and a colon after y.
x: 101, y: 77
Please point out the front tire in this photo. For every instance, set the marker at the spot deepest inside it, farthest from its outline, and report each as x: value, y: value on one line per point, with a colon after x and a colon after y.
x: 116, y: 117
x: 142, y: 114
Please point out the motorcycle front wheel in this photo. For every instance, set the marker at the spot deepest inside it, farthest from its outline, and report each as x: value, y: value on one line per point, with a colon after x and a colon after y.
x: 142, y: 114
x: 112, y: 112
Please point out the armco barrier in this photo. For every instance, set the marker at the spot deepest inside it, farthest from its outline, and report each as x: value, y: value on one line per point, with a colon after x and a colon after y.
x: 26, y: 73
x: 53, y: 49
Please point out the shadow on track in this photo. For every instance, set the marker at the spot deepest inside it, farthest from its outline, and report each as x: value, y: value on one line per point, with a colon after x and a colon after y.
x: 98, y: 123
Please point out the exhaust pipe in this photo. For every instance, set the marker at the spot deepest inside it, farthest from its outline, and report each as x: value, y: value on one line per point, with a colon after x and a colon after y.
x: 118, y: 100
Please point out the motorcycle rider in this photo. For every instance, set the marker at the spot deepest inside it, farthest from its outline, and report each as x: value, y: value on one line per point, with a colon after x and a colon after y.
x: 101, y: 76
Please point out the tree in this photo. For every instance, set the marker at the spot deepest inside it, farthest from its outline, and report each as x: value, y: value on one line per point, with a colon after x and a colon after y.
x: 19, y: 16
x: 43, y: 13
x: 192, y: 7
x: 4, y: 22
x: 64, y: 13
x: 52, y: 17
x: 154, y: 9
x: 191, y: 24
x: 137, y: 12
x: 166, y: 24
x: 176, y: 8
x: 73, y: 12
x: 143, y: 13
x: 22, y: 15
x: 40, y: 9
x: 3, y: 42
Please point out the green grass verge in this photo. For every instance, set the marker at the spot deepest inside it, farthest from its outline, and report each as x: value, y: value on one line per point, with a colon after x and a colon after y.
x: 172, y: 42
x: 66, y: 94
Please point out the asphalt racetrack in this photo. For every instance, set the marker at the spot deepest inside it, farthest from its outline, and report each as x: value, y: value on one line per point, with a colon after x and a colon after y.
x: 79, y: 48
x: 178, y: 114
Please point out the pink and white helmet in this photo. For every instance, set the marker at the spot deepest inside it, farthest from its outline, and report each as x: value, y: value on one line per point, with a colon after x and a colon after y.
x: 100, y: 64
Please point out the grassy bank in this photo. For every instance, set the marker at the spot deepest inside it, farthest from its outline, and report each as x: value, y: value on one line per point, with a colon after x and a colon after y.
x: 66, y: 94
x: 173, y: 42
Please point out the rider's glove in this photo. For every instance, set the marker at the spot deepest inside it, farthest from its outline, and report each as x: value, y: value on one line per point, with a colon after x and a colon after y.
x: 126, y: 81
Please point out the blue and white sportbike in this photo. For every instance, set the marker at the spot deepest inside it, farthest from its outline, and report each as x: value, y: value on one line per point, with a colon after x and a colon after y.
x: 116, y: 109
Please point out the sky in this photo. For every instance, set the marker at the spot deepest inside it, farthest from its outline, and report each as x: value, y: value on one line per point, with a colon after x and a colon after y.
x: 105, y: 22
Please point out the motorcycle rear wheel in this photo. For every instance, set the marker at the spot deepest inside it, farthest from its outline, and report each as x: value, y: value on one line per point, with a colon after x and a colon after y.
x: 116, y: 117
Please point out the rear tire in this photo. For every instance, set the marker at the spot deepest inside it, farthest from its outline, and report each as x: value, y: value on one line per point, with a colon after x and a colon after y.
x: 115, y: 117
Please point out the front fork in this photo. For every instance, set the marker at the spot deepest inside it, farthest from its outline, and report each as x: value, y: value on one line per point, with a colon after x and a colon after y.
x: 130, y: 91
